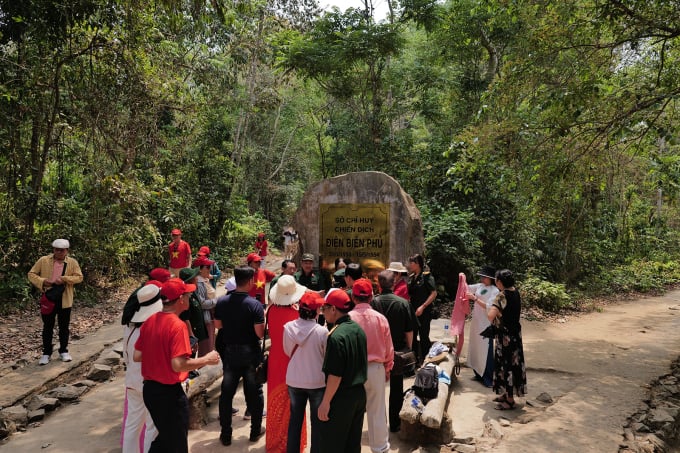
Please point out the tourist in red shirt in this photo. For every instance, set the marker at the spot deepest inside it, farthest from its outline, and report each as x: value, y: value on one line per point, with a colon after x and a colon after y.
x: 179, y: 253
x: 261, y: 246
x: 261, y: 278
x: 400, y: 285
x: 164, y: 350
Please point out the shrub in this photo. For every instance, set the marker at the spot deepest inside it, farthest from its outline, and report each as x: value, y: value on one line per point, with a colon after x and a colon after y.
x: 545, y: 295
x: 642, y: 275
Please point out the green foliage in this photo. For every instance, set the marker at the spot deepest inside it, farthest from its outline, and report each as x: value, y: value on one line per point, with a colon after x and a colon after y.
x: 534, y: 135
x: 15, y: 288
x: 540, y: 293
x: 640, y: 275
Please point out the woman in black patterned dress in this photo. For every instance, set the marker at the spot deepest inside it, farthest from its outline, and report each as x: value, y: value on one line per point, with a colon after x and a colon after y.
x: 510, y: 377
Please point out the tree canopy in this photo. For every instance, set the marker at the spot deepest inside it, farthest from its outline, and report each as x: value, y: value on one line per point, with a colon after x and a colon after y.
x: 537, y: 136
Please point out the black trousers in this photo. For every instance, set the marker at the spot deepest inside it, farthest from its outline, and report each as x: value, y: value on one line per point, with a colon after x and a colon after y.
x: 169, y: 409
x: 63, y: 316
x: 395, y: 401
x: 421, y: 346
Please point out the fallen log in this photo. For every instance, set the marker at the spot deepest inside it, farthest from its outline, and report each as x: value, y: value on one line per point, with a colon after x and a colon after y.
x: 434, y: 409
x: 196, y: 393
x: 433, y: 413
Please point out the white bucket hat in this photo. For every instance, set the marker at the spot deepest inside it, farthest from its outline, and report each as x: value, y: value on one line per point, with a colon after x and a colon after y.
x: 396, y: 266
x: 286, y: 291
x: 61, y: 244
x: 149, y: 299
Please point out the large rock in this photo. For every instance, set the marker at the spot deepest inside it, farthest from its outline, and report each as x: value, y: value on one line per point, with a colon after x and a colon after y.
x: 18, y: 414
x: 110, y: 358
x: 36, y: 415
x: 100, y: 372
x: 41, y: 402
x: 359, y: 216
x: 66, y: 392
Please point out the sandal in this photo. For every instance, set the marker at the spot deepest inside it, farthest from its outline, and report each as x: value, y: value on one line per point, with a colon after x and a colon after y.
x: 500, y: 399
x: 505, y: 406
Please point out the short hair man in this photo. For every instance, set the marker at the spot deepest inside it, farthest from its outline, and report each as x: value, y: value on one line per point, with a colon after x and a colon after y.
x: 345, y: 366
x: 260, y: 279
x: 353, y: 273
x: 288, y: 267
x: 55, y: 275
x: 380, y: 362
x: 164, y: 350
x: 179, y: 253
x: 400, y: 317
x: 240, y: 319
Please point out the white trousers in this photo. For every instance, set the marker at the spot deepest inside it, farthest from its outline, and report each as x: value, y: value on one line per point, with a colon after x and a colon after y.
x: 376, y: 412
x: 135, y: 417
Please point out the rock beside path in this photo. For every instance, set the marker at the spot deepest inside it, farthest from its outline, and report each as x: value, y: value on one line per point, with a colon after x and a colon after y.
x: 656, y: 426
x: 66, y: 393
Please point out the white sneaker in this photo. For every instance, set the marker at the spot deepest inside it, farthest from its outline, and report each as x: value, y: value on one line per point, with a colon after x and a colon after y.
x: 44, y: 360
x: 65, y: 357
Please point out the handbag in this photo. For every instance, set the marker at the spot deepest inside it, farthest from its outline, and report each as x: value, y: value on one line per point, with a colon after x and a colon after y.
x: 489, y: 332
x: 404, y: 362
x: 46, y: 305
x: 262, y: 367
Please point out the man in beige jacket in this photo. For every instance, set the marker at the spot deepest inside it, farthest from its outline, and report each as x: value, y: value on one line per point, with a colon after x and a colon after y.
x: 54, y: 275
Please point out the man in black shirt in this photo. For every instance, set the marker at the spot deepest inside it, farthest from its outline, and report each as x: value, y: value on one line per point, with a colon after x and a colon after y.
x: 240, y: 319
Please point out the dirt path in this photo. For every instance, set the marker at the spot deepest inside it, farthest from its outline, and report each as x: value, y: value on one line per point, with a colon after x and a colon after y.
x: 594, y: 366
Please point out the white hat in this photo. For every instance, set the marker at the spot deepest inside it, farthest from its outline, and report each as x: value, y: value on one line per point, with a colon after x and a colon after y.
x: 149, y: 299
x: 286, y: 291
x: 230, y: 285
x: 396, y: 266
x: 61, y: 244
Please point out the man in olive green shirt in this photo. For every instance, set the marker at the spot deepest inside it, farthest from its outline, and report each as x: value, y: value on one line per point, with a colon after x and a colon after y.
x: 346, y: 366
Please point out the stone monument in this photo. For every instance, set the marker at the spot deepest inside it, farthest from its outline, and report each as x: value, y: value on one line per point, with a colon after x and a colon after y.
x: 360, y: 216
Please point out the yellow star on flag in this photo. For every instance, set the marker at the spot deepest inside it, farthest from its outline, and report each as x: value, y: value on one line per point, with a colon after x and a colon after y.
x: 259, y: 284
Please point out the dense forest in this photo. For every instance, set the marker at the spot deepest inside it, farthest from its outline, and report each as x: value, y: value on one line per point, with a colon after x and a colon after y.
x: 541, y: 136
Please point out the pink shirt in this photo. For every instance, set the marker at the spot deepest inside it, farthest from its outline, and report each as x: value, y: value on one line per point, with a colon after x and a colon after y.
x: 57, y: 270
x: 378, y: 338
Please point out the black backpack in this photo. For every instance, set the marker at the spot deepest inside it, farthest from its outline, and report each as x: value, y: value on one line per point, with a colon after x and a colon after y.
x: 426, y: 384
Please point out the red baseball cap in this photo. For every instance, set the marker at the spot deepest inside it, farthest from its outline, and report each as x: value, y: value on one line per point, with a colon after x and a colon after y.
x: 204, y: 250
x: 202, y: 261
x: 362, y: 288
x: 176, y: 231
x: 160, y: 273
x: 338, y: 298
x: 175, y: 287
x: 311, y: 300
x: 154, y: 282
x: 253, y: 257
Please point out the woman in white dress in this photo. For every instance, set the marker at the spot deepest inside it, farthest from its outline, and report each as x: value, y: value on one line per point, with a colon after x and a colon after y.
x: 480, y: 349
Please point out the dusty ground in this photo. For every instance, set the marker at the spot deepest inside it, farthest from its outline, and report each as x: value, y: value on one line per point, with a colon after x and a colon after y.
x: 595, y: 366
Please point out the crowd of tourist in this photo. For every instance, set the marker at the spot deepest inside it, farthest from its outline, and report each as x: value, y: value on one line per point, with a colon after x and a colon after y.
x: 333, y: 339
